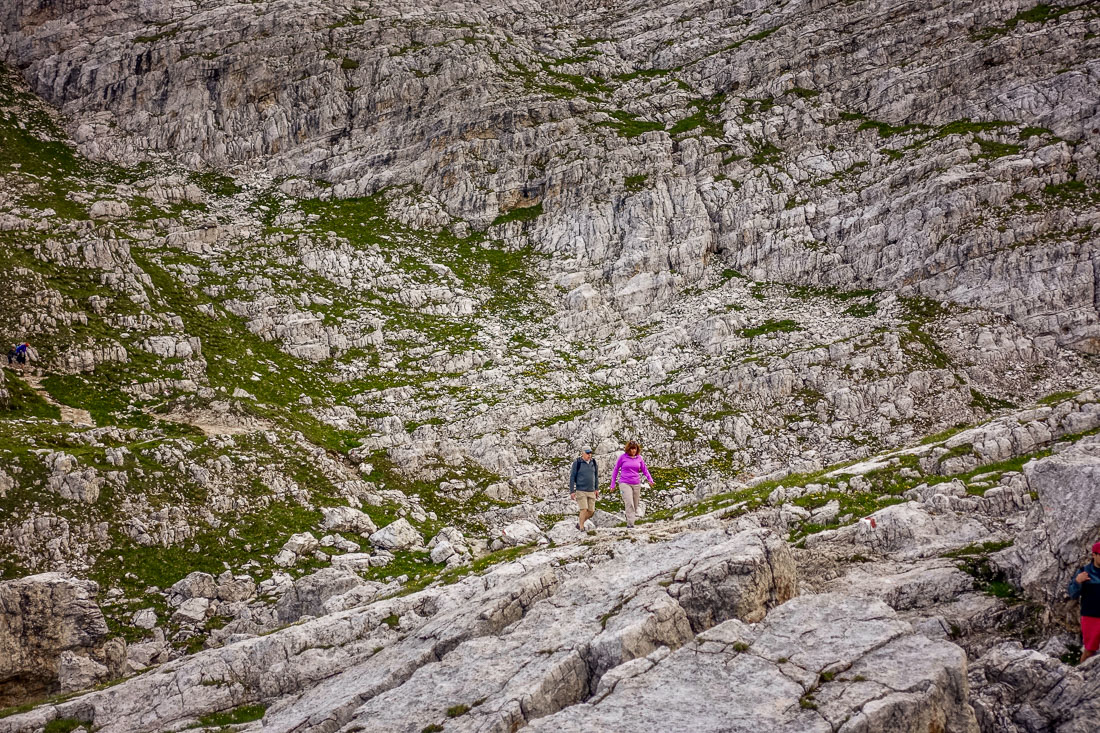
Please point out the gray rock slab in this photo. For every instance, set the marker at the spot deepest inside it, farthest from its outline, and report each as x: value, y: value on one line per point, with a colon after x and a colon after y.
x: 817, y: 663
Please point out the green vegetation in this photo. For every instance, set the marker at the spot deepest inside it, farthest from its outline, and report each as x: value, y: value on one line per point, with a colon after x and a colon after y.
x: 986, y: 403
x: 1041, y: 13
x: 635, y: 183
x: 1055, y: 397
x: 433, y: 728
x: 64, y: 725
x: 984, y: 548
x: 24, y: 402
x: 771, y: 326
x: 884, y: 129
x: 630, y: 126
x: 349, y: 64
x: 944, y: 434
x: 992, y: 149
x: 701, y: 119
x: 456, y: 710
x: 236, y: 716
x: 764, y: 153
x: 1071, y: 192
x: 989, y: 579
x: 520, y: 213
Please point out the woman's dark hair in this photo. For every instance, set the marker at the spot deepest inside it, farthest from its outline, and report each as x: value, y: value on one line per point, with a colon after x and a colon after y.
x: 633, y: 444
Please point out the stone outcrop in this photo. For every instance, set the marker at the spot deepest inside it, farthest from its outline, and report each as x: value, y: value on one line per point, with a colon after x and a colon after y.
x: 1063, y: 526
x: 52, y: 637
x: 1018, y: 690
x: 402, y: 662
x: 817, y: 663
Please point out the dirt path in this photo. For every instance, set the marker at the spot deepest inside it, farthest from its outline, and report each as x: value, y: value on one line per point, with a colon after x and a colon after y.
x: 215, y: 422
x: 72, y: 415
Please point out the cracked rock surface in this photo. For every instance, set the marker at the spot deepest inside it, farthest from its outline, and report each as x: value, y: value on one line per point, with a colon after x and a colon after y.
x: 817, y: 663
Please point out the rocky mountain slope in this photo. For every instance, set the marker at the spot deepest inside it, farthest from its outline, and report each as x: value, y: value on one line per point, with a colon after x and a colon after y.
x: 324, y: 297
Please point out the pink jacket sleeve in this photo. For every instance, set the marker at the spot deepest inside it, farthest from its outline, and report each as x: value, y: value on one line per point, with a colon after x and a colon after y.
x: 646, y: 472
x: 615, y: 473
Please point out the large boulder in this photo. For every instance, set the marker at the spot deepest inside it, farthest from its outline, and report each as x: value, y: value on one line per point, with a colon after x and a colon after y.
x: 194, y: 585
x: 523, y: 532
x: 49, y: 623
x: 347, y: 519
x: 399, y: 535
x: 817, y: 664
x: 1062, y: 527
x: 309, y: 593
x: 1017, y: 690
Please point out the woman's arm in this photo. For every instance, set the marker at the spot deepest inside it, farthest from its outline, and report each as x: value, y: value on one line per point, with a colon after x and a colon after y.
x: 615, y: 473
x: 646, y: 472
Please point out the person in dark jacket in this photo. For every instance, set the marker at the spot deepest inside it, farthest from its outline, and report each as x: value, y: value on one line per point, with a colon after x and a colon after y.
x: 1086, y: 586
x: 584, y: 482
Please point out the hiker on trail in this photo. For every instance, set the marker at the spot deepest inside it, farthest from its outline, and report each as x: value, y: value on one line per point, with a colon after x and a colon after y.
x: 631, y: 466
x: 584, y: 485
x: 1086, y: 586
x: 19, y: 354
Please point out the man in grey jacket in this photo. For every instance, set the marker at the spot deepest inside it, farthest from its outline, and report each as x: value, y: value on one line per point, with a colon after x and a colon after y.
x: 584, y: 485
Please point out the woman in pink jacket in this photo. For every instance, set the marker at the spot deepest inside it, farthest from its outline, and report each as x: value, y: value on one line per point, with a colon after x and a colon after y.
x: 630, y: 467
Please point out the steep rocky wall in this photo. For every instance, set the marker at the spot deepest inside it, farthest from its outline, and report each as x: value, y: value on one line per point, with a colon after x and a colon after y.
x: 52, y: 635
x: 946, y: 150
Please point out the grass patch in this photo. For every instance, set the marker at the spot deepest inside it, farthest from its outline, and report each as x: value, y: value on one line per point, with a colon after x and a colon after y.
x: 984, y: 548
x: 521, y: 213
x: 236, y: 716
x: 24, y: 402
x: 991, y: 149
x: 630, y: 126
x: 1041, y: 13
x: 1055, y: 397
x: 770, y: 326
x: 943, y: 434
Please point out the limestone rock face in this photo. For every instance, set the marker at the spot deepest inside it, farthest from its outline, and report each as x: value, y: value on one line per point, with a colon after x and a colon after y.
x: 816, y: 664
x: 1064, y: 525
x: 643, y: 140
x: 1018, y: 690
x: 49, y: 625
x: 527, y: 639
x: 308, y: 594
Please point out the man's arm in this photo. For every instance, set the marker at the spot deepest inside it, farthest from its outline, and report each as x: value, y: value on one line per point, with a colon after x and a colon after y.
x: 1074, y: 588
x: 573, y: 479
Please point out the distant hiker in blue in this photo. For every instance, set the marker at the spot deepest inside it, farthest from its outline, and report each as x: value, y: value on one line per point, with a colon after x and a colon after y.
x: 18, y: 354
x: 1086, y: 586
x: 584, y: 482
